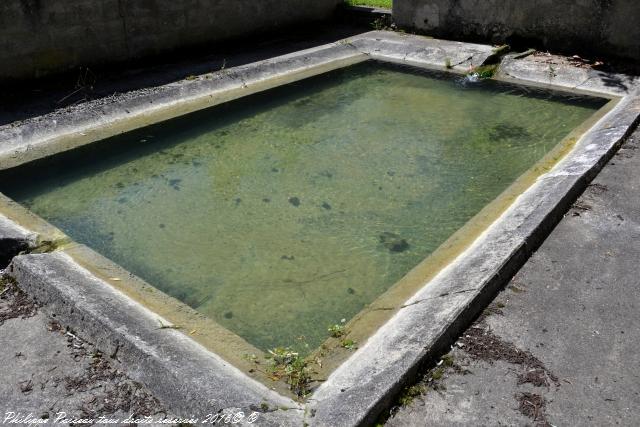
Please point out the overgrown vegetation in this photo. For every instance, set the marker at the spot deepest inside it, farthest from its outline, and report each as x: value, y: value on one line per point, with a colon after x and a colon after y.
x: 349, y: 344
x: 490, y: 66
x: 289, y: 365
x: 485, y: 71
x: 431, y: 381
x: 373, y: 3
x: 284, y: 363
x: 336, y: 331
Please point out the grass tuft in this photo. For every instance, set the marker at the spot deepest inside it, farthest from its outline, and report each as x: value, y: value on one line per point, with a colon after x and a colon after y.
x: 386, y: 4
x: 288, y: 364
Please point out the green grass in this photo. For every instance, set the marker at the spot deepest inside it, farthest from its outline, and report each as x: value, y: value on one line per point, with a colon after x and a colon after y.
x: 374, y: 3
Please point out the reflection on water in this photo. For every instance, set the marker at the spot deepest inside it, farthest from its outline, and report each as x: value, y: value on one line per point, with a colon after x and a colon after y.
x: 285, y: 212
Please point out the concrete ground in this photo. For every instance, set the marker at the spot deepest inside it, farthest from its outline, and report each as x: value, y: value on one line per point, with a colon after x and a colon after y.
x: 561, y: 344
x: 48, y: 372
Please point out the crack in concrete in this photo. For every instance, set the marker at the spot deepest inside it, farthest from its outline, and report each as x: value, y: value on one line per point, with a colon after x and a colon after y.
x: 469, y: 59
x: 445, y: 294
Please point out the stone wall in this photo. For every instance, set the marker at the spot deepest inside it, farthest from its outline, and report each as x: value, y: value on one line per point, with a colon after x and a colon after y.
x: 38, y: 37
x: 592, y: 27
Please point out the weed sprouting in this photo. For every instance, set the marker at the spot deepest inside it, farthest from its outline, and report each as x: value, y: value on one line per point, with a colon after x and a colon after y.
x: 410, y: 393
x: 349, y: 344
x: 371, y: 3
x: 485, y: 71
x: 336, y: 331
x: 289, y: 365
x: 447, y: 360
x: 501, y: 50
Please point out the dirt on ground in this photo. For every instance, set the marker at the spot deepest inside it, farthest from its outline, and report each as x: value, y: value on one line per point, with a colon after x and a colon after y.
x: 50, y: 372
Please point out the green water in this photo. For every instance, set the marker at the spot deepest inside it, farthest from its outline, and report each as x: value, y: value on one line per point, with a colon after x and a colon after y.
x: 282, y: 213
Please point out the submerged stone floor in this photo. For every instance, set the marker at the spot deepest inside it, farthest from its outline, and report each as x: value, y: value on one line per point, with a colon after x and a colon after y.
x: 561, y: 344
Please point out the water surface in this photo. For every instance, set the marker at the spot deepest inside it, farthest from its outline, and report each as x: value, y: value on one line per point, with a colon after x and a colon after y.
x: 287, y: 211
